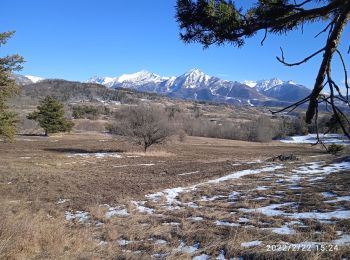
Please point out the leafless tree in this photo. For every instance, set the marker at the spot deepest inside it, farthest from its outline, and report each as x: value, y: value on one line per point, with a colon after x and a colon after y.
x: 146, y: 125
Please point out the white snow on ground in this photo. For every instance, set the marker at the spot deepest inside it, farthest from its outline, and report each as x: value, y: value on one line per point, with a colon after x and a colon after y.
x: 191, y: 205
x: 171, y: 224
x: 206, y: 198
x: 243, y: 220
x: 196, y: 218
x: 251, y: 243
x: 80, y: 216
x: 201, y: 257
x: 159, y: 241
x: 338, y: 199
x: 188, y: 173
x: 171, y: 194
x: 95, y: 155
x: 240, y: 174
x: 140, y: 206
x: 61, y: 201
x: 123, y: 242
x: 261, y: 188
x: 272, y: 210
x: 187, y: 249
x: 328, y: 194
x: 168, y: 199
x: 284, y: 230
x: 253, y: 162
x: 337, y: 214
x: 130, y: 165
x: 312, y: 138
x: 221, y: 256
x: 320, y: 168
x: 116, y: 211
x: 226, y: 223
x: 160, y: 255
x: 343, y: 240
x: 233, y: 195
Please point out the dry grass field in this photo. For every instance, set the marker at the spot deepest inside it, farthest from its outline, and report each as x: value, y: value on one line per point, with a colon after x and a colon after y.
x: 93, y: 196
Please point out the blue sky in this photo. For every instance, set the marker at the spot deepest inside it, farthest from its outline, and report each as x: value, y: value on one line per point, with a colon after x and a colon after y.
x: 78, y: 39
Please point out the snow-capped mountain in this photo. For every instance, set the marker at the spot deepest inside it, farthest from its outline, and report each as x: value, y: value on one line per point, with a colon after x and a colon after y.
x: 263, y: 85
x: 192, y: 79
x: 27, y: 79
x: 107, y: 81
x: 278, y: 89
x: 140, y: 79
x: 194, y: 84
x: 287, y: 91
x: 34, y: 79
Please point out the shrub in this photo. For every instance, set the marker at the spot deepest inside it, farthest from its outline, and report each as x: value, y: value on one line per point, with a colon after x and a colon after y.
x: 335, y: 149
x: 146, y: 125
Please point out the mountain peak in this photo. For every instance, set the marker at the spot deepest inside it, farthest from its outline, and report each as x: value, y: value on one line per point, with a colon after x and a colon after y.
x: 193, y: 78
x: 34, y: 79
x: 194, y: 72
x: 142, y: 75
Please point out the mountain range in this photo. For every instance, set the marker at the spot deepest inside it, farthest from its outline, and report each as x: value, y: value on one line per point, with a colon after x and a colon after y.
x: 196, y: 85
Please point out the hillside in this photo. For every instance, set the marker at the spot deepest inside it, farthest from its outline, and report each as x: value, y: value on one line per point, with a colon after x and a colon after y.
x: 70, y: 91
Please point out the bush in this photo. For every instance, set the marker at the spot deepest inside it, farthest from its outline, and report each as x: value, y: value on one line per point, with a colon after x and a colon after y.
x: 335, y: 149
x: 146, y: 125
x: 182, y: 136
x: 89, y: 112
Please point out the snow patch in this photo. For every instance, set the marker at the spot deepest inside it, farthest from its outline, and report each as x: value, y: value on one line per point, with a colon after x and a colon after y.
x: 251, y: 243
x: 80, y: 216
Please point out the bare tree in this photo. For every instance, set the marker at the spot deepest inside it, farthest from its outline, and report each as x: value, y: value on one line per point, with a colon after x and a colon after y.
x: 146, y: 125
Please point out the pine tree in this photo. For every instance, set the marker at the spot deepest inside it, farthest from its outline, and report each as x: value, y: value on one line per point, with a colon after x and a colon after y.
x: 220, y: 21
x: 50, y: 116
x: 8, y: 89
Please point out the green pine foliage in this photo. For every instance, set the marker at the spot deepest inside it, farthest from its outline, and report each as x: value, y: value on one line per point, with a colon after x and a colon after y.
x: 8, y: 89
x: 50, y: 116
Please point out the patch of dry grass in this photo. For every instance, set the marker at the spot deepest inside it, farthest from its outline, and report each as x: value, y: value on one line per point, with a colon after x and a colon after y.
x: 25, y: 235
x: 33, y: 226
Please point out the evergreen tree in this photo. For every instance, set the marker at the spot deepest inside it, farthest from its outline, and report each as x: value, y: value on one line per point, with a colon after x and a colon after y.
x: 50, y: 116
x: 8, y: 89
x: 220, y: 21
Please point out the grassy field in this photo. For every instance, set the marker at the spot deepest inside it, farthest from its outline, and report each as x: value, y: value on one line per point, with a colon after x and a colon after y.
x: 90, y: 196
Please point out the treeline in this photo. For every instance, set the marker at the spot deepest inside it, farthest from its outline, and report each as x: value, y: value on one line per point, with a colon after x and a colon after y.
x: 90, y: 112
x: 260, y: 129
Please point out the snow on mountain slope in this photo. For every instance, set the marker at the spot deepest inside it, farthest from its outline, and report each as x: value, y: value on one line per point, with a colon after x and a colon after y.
x: 34, y: 79
x: 141, y: 76
x: 195, y: 84
x: 250, y: 83
x: 135, y: 79
x: 264, y: 85
x: 107, y: 81
x: 25, y: 80
x: 192, y: 79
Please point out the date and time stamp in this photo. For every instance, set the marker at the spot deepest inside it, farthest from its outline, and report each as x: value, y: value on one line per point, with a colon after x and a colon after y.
x: 302, y: 247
